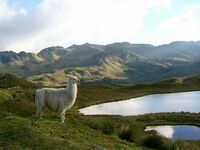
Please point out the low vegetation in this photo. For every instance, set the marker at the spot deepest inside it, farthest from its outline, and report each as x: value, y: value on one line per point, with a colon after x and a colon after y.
x: 108, y: 128
x: 20, y: 130
x: 158, y: 142
x: 9, y: 81
x: 132, y: 133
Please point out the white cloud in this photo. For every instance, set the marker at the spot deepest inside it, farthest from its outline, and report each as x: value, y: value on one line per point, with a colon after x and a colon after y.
x: 68, y: 22
x: 5, y: 12
x: 182, y: 26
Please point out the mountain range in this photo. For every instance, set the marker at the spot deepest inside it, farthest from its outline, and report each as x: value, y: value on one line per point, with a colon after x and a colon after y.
x: 113, y: 63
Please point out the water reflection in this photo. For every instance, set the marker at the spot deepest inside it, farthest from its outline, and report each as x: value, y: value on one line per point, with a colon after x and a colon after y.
x: 173, y: 102
x: 179, y: 132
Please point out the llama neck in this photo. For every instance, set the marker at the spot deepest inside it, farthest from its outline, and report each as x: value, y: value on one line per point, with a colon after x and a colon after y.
x: 71, y: 91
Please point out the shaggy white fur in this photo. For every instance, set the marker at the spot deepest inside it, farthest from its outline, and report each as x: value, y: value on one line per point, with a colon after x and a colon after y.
x: 57, y: 100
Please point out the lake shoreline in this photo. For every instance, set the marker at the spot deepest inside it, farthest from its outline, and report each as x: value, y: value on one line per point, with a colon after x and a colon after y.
x: 176, y: 132
x: 154, y: 103
x: 146, y: 91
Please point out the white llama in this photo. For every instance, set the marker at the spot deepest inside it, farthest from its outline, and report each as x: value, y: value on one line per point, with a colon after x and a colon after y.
x: 57, y: 100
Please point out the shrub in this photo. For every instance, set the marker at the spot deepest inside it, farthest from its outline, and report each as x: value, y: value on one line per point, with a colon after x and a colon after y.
x: 131, y: 133
x: 125, y: 133
x: 108, y: 128
x: 159, y: 142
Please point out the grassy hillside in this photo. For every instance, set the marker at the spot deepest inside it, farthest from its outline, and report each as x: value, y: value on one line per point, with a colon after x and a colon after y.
x: 108, y: 70
x: 194, y: 80
x: 8, y: 80
x: 20, y: 130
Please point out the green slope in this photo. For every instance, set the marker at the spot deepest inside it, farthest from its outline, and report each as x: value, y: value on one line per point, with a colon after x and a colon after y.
x: 193, y: 80
x: 8, y: 80
x: 20, y: 130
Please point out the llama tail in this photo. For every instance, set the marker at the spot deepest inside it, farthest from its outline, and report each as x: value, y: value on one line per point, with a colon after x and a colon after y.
x: 39, y: 98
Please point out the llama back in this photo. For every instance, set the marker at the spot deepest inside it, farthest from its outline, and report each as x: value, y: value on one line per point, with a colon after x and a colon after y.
x: 50, y: 97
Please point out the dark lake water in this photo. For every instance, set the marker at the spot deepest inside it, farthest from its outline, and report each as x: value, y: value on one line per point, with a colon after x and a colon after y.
x: 178, y: 132
x: 173, y: 102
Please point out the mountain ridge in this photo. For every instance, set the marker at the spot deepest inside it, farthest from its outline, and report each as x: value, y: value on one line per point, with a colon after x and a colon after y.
x: 116, y: 62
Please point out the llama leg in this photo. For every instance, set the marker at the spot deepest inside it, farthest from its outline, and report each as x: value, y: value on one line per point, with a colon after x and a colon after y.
x: 39, y: 113
x: 62, y: 115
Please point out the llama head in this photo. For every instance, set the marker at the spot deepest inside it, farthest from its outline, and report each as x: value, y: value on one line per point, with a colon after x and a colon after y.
x: 73, y: 79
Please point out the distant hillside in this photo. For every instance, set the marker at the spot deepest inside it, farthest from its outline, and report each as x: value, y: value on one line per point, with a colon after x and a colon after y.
x: 112, y: 63
x: 9, y: 81
x: 194, y: 80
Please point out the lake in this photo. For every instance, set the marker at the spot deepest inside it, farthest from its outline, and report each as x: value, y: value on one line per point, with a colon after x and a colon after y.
x: 178, y: 132
x: 155, y: 103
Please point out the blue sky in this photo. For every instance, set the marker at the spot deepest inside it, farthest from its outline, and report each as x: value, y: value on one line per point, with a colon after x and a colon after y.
x: 32, y: 25
x: 24, y: 3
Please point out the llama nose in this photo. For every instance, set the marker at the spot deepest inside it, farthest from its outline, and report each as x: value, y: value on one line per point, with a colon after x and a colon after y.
x: 78, y: 81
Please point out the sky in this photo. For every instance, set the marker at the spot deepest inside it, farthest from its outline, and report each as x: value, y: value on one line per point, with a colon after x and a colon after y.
x: 32, y: 25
